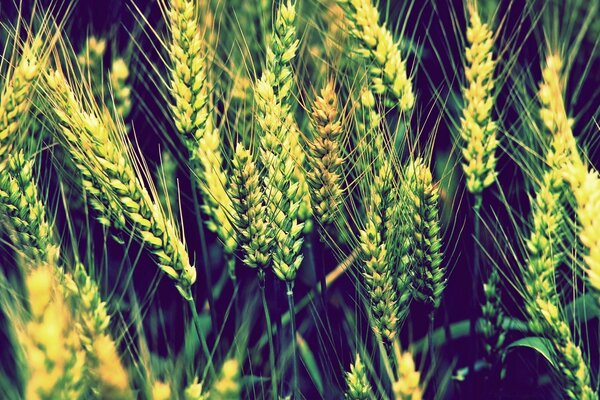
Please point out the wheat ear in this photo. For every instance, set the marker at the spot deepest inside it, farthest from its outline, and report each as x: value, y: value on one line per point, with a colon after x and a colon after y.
x: 357, y: 382
x: 378, y: 271
x: 387, y: 69
x: 250, y: 217
x: 228, y: 385
x: 193, y: 119
x: 407, y: 386
x: 105, y: 374
x: 16, y: 95
x: 477, y: 128
x: 542, y: 302
x: 100, y: 152
x: 21, y: 205
x: 52, y: 350
x: 325, y: 158
x: 423, y: 197
x: 585, y: 185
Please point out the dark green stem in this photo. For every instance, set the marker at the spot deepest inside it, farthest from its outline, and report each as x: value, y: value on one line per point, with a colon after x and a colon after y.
x: 290, y: 297
x: 202, y: 338
x: 476, y: 279
x: 204, y: 249
x: 261, y: 284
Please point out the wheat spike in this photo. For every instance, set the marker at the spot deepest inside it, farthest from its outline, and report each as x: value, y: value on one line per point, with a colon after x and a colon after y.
x: 387, y: 69
x: 325, y: 160
x: 477, y: 128
x: 357, y: 381
x: 102, y: 154
x: 16, y: 95
x: 542, y: 302
x: 52, y: 350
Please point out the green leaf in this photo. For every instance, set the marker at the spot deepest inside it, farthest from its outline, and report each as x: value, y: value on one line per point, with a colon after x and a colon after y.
x: 539, y: 344
x: 310, y: 363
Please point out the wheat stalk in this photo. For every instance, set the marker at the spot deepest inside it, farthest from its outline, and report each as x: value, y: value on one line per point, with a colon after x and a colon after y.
x: 407, y: 386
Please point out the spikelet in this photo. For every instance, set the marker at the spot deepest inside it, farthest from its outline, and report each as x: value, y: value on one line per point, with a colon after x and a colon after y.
x: 98, y: 148
x: 407, y: 386
x: 16, y: 95
x: 376, y: 45
x: 250, y: 216
x: 21, y: 206
x: 325, y: 160
x: 423, y: 197
x: 105, y: 375
x: 478, y: 129
x: 542, y: 302
x: 585, y: 185
x: 227, y: 387
x: 51, y: 348
x: 378, y: 272
x: 357, y: 381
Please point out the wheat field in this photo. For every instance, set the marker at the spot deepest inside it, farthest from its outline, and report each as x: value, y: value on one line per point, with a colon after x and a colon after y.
x: 299, y: 199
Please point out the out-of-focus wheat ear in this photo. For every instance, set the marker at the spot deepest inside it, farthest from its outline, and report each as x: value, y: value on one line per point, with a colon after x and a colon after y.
x: 429, y: 281
x: 161, y: 391
x: 477, y: 128
x: 378, y: 271
x: 121, y: 90
x: 407, y: 386
x: 227, y: 386
x: 105, y: 374
x: 357, y: 382
x: 254, y: 234
x: 17, y: 92
x: 195, y: 391
x: 91, y: 62
x: 51, y: 348
x: 375, y: 43
x: 24, y: 212
x: 585, y: 185
x: 101, y: 153
x: 325, y: 157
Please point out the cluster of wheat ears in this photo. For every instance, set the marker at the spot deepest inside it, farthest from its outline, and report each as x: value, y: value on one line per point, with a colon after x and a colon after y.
x: 280, y: 165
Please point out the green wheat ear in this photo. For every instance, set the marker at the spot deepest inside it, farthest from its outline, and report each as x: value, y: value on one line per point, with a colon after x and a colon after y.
x: 357, y: 382
x: 423, y: 197
x: 250, y: 216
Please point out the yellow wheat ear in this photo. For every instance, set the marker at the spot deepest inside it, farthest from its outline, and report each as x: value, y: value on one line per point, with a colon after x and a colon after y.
x: 477, y: 128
